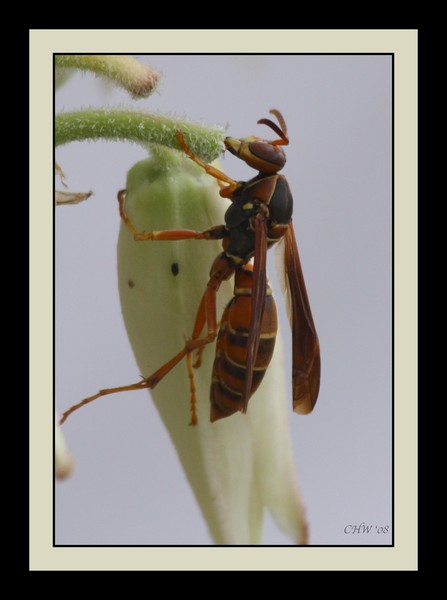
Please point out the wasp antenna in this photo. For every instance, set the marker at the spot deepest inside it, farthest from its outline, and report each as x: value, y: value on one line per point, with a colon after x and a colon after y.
x: 282, y: 132
x: 280, y: 118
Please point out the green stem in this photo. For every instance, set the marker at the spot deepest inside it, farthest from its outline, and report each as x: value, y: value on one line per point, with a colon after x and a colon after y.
x: 138, y: 127
x: 138, y: 79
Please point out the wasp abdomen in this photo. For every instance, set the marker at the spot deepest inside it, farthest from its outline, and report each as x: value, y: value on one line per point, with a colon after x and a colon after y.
x: 229, y: 369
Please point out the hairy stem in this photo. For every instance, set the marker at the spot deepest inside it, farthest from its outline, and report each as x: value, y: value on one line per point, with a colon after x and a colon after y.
x: 138, y: 79
x: 138, y: 127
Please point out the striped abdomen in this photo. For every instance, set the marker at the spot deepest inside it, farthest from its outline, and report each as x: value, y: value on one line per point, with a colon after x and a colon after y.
x: 229, y: 369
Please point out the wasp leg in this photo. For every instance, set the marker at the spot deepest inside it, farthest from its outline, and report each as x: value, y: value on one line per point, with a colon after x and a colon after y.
x: 125, y: 388
x: 227, y: 191
x: 206, y: 314
x: 217, y: 232
x: 198, y: 361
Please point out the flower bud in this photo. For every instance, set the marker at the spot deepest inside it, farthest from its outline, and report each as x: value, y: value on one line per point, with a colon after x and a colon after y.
x: 239, y: 465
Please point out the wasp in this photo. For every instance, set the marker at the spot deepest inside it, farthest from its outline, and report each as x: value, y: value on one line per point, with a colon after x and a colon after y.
x: 260, y: 215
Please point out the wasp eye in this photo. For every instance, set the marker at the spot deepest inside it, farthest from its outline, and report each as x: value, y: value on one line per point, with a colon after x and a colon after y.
x: 268, y: 153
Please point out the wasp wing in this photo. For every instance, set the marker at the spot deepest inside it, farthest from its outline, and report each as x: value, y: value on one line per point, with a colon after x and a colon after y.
x: 258, y: 298
x: 305, y: 345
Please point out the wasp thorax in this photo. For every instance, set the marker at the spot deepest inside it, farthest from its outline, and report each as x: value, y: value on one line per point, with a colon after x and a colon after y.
x: 257, y: 153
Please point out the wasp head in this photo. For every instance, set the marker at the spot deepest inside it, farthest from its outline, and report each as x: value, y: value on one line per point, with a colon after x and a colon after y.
x: 263, y: 155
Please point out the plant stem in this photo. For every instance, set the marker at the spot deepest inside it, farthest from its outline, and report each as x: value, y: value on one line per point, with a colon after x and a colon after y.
x: 138, y: 79
x: 138, y: 127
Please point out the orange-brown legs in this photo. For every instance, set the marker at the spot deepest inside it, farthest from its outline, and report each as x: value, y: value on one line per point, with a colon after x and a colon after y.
x: 213, y: 233
x: 198, y: 361
x: 125, y: 388
x: 192, y: 389
x: 206, y: 314
x: 226, y: 190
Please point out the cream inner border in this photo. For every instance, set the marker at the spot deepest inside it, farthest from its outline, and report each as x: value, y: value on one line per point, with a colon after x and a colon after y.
x: 403, y: 43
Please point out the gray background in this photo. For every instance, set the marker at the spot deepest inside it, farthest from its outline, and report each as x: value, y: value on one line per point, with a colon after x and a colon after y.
x: 128, y: 487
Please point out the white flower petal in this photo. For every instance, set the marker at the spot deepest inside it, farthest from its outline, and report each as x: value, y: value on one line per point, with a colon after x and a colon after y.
x: 237, y: 466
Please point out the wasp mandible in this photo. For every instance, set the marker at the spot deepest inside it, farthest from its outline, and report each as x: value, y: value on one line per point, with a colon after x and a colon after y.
x: 260, y: 215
